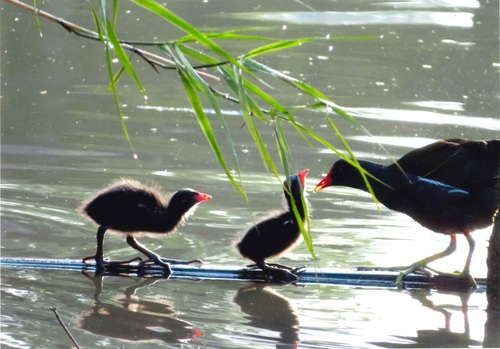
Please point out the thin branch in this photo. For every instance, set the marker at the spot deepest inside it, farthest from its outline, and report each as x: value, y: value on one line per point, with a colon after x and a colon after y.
x: 150, y: 58
x: 58, y: 317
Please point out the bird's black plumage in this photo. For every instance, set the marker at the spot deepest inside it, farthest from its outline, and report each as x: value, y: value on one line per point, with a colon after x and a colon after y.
x: 447, y: 186
x: 129, y: 207
x: 279, y: 233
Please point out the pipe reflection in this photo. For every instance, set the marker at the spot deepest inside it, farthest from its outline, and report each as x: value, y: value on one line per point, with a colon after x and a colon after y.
x: 267, y: 309
x: 442, y: 337
x: 133, y: 319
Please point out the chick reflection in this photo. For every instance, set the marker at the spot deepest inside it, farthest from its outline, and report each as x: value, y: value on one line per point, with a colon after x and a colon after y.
x: 442, y: 337
x: 133, y: 319
x: 269, y: 310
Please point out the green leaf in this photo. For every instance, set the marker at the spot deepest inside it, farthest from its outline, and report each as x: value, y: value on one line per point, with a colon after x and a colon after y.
x: 206, y: 127
x: 122, y: 56
x: 112, y: 84
x: 353, y: 161
x: 163, y: 12
x: 276, y: 46
x: 193, y: 76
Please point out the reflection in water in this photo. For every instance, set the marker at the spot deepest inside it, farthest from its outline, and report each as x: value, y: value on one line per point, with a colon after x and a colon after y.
x: 269, y: 310
x: 442, y: 337
x: 358, y: 18
x: 133, y: 319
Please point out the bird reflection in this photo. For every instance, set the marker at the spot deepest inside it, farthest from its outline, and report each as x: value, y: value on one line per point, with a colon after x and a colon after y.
x: 442, y: 337
x: 269, y: 310
x: 133, y: 319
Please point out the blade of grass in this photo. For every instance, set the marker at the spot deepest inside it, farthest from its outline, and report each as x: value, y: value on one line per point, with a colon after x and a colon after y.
x: 192, y: 74
x: 113, y: 86
x: 37, y: 20
x: 206, y: 127
x: 355, y: 162
x: 252, y: 127
x: 284, y: 152
x: 122, y: 56
x: 169, y: 16
x: 276, y: 46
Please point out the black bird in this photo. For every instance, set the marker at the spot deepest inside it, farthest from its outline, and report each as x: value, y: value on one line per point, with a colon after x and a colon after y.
x: 447, y: 186
x: 129, y: 207
x: 279, y: 233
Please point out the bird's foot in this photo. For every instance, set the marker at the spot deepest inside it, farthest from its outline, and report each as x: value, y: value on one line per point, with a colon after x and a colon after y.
x: 176, y: 261
x: 157, y: 261
x: 298, y: 270
x: 279, y: 266
x: 280, y: 275
x: 457, y: 281
x: 416, y: 268
x: 102, y: 264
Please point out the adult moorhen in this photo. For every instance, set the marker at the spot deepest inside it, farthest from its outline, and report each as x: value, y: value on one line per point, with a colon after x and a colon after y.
x: 447, y: 186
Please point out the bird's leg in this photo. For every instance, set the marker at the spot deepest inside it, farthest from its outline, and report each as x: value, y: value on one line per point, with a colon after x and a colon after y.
x: 465, y: 280
x: 152, y: 257
x: 98, y: 257
x: 100, y: 261
x: 277, y: 274
x: 472, y: 245
x: 423, y: 262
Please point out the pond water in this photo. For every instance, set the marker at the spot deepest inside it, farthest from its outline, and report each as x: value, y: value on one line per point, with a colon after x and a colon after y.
x: 431, y: 73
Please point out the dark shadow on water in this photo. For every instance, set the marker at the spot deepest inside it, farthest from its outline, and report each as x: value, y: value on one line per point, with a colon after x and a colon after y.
x: 133, y: 319
x: 441, y: 337
x: 267, y: 309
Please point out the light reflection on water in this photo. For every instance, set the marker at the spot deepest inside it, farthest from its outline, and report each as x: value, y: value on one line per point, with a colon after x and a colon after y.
x: 407, y: 18
x: 61, y: 146
x: 429, y: 118
x: 108, y: 311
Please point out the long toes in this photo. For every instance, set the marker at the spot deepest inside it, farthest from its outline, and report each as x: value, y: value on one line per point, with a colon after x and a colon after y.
x: 281, y: 276
x: 279, y: 266
x: 175, y: 261
x: 298, y: 270
x: 456, y: 282
x: 195, y: 261
x: 89, y: 258
x: 156, y: 261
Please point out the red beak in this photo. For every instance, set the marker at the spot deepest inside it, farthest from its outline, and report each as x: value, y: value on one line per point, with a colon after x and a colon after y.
x: 302, y: 177
x: 200, y: 197
x: 325, y: 182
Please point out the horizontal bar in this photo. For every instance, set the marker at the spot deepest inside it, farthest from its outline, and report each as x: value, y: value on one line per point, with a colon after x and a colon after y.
x: 218, y: 272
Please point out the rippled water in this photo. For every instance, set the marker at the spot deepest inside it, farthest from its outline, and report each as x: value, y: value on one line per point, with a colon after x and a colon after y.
x: 431, y: 73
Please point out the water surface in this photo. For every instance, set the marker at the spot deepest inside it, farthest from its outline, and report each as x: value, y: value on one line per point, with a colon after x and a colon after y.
x: 431, y: 73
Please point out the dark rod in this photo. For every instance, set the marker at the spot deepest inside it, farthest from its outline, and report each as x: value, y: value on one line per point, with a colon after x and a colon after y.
x: 237, y: 273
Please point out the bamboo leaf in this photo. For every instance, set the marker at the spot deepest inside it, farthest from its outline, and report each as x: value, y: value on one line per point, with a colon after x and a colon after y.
x: 122, y: 56
x: 284, y: 152
x: 354, y: 162
x: 113, y: 86
x: 276, y: 46
x: 251, y: 126
x: 193, y: 75
x: 207, y: 128
x: 163, y: 12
